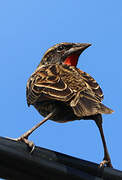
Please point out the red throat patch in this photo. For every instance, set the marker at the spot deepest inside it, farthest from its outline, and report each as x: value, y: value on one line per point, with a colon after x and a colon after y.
x: 72, y: 60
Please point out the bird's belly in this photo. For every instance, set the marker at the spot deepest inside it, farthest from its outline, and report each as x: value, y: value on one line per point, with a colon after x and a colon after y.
x: 64, y: 113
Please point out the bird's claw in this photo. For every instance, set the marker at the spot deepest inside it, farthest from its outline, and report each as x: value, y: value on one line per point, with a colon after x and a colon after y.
x: 105, y: 163
x: 30, y: 144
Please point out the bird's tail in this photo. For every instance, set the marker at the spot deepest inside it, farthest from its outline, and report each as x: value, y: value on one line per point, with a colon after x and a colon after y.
x: 85, y: 106
x: 104, y: 109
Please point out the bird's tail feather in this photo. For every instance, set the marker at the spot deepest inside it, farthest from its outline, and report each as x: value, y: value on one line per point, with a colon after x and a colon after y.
x: 85, y: 106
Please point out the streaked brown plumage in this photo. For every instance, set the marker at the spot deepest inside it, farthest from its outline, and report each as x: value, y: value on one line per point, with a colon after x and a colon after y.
x: 59, y: 86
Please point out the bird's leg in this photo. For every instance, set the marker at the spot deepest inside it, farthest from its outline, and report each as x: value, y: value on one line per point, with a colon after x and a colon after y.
x: 25, y: 136
x: 106, y: 160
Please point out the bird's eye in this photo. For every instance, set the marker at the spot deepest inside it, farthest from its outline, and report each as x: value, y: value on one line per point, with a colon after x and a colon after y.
x: 61, y: 47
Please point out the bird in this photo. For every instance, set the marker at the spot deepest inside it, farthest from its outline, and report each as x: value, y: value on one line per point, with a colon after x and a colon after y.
x: 62, y: 92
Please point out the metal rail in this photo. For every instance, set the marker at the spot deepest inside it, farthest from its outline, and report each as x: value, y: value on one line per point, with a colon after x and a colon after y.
x: 16, y: 162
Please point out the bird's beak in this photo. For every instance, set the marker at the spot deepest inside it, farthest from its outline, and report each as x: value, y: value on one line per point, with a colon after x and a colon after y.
x: 77, y: 48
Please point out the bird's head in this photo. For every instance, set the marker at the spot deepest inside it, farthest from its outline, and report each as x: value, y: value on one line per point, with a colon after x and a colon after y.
x: 66, y: 53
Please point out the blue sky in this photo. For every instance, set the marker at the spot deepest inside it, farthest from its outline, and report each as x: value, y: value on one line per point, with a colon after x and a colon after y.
x: 27, y: 29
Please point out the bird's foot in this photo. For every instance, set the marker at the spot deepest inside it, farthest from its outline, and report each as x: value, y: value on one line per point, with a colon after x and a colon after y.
x: 105, y: 163
x: 30, y: 144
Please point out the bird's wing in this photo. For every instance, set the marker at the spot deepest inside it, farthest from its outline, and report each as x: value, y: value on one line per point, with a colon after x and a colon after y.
x: 46, y: 82
x: 88, y: 94
x: 93, y: 84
